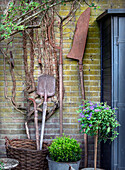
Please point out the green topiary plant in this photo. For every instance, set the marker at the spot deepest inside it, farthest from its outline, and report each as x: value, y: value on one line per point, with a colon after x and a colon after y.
x: 64, y: 149
x: 98, y: 120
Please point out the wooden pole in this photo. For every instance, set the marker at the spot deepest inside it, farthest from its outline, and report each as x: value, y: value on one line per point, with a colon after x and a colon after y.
x: 95, y: 150
x: 61, y: 79
x: 83, y: 97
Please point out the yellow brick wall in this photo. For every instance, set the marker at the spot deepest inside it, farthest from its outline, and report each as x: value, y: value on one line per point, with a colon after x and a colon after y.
x: 12, y: 122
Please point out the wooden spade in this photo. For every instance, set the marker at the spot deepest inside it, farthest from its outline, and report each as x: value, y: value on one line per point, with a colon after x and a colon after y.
x: 46, y: 88
x: 77, y: 53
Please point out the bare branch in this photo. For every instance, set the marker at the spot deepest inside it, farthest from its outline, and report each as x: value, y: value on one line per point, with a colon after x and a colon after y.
x: 25, y: 59
x: 33, y: 26
x: 70, y: 18
x: 90, y: 4
x: 51, y: 43
x: 52, y: 111
x: 13, y: 78
x: 58, y: 15
x: 32, y: 59
x: 71, y: 11
x: 5, y: 79
x: 23, y: 15
x: 7, y: 8
x: 37, y: 13
x: 87, y: 3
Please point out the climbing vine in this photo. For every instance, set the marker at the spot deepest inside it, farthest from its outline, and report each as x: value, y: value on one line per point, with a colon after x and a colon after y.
x: 18, y: 14
x: 37, y: 22
x: 11, y: 17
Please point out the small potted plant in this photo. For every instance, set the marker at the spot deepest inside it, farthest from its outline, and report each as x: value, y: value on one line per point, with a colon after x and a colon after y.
x: 64, y: 152
x: 98, y: 120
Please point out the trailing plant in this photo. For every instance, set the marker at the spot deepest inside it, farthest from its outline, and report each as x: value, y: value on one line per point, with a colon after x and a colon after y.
x: 98, y: 120
x: 64, y: 149
x: 11, y: 19
x: 18, y: 14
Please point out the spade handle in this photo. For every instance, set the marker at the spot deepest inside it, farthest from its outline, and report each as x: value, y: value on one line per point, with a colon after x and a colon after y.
x: 43, y: 124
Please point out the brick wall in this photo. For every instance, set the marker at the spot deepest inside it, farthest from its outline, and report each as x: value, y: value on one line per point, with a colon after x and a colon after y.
x: 12, y: 122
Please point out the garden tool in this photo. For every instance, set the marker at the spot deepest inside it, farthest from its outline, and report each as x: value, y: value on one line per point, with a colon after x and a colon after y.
x: 46, y: 88
x: 36, y: 122
x: 77, y: 52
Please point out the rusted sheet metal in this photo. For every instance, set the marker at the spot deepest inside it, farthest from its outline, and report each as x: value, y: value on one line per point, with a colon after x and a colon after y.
x: 80, y: 36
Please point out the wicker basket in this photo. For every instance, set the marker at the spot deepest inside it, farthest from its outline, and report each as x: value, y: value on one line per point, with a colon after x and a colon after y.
x: 25, y: 152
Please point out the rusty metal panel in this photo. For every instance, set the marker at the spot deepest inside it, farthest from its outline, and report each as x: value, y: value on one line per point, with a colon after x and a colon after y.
x: 80, y: 36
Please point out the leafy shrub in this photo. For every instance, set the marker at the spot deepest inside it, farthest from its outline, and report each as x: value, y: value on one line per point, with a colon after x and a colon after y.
x: 64, y: 149
x: 98, y: 118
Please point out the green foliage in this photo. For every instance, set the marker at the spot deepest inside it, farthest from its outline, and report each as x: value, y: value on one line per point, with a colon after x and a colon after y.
x: 98, y: 117
x: 64, y: 149
x: 11, y: 22
x: 94, y: 6
x: 1, y: 165
x: 21, y: 10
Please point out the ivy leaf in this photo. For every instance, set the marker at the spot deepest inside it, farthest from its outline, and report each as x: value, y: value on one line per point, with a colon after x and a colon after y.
x: 1, y: 15
x: 108, y: 129
x: 21, y: 27
x: 11, y: 4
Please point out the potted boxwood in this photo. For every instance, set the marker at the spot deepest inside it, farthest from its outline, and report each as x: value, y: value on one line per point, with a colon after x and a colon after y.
x: 64, y: 152
x: 98, y: 120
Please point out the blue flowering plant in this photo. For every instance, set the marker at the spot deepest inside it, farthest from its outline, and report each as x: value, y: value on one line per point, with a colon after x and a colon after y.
x: 98, y: 119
